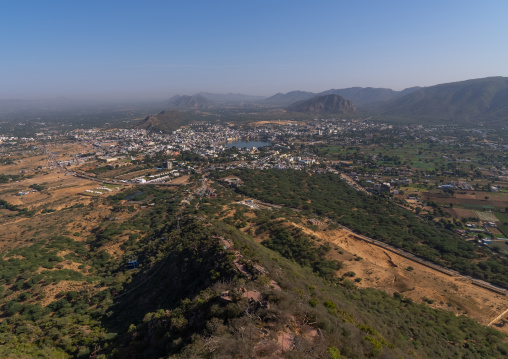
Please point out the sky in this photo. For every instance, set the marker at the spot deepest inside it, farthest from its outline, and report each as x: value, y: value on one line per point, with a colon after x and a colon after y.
x: 155, y: 49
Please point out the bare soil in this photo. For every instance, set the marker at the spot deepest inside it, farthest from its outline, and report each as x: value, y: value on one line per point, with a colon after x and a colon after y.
x: 384, y: 270
x: 461, y: 213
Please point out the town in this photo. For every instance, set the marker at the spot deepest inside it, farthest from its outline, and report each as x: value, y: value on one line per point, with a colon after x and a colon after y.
x: 458, y: 176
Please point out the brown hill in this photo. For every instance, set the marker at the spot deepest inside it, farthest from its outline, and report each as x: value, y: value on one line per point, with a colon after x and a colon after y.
x: 165, y: 121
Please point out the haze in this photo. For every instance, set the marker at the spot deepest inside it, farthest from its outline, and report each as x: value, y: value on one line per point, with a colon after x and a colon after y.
x: 155, y: 49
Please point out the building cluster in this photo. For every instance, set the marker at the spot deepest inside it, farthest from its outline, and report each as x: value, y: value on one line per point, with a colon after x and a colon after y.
x: 13, y: 140
x: 298, y: 145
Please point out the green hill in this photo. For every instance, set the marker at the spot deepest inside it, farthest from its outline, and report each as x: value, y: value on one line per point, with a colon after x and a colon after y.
x: 205, y: 289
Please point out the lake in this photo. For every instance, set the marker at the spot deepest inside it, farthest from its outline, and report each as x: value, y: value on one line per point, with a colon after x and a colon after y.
x: 248, y: 144
x: 132, y: 196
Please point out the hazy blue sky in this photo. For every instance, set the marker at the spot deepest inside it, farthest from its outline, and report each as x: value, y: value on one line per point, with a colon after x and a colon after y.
x: 160, y: 48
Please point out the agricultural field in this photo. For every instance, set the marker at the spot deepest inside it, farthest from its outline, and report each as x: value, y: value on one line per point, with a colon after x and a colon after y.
x: 486, y: 216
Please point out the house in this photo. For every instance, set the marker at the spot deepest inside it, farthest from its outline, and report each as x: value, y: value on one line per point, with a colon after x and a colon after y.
x: 233, y: 181
x: 490, y: 224
x: 404, y: 181
x: 314, y: 222
x: 382, y: 187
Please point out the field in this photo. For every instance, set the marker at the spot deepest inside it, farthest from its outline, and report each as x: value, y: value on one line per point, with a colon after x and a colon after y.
x: 501, y: 246
x: 503, y: 229
x: 486, y: 216
x: 461, y: 213
x: 58, y: 206
x: 502, y: 217
x: 472, y: 200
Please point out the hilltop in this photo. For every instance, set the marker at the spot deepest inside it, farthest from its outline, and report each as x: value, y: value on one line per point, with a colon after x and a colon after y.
x: 332, y: 104
x: 165, y: 121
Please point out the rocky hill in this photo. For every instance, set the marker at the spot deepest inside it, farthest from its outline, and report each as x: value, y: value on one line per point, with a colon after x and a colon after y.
x: 324, y: 104
x: 165, y: 121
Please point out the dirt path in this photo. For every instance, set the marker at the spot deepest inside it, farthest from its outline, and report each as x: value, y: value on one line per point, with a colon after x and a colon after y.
x: 498, y: 317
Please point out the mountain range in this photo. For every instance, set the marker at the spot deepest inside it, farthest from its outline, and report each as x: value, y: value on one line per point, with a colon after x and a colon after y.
x: 360, y: 96
x: 465, y: 102
x: 204, y: 100
x: 483, y: 99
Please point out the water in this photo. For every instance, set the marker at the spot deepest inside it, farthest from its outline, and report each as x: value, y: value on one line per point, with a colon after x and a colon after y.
x: 131, y: 196
x: 247, y: 144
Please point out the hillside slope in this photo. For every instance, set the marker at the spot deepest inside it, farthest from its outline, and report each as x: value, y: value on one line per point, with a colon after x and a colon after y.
x: 273, y: 308
x: 466, y: 101
x: 204, y: 289
x: 329, y: 104
x: 165, y: 121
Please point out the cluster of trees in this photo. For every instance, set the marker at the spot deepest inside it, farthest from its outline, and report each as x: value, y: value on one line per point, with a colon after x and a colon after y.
x: 293, y: 243
x: 6, y: 178
x: 37, y: 186
x: 5, y: 161
x: 29, y: 329
x: 12, y: 207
